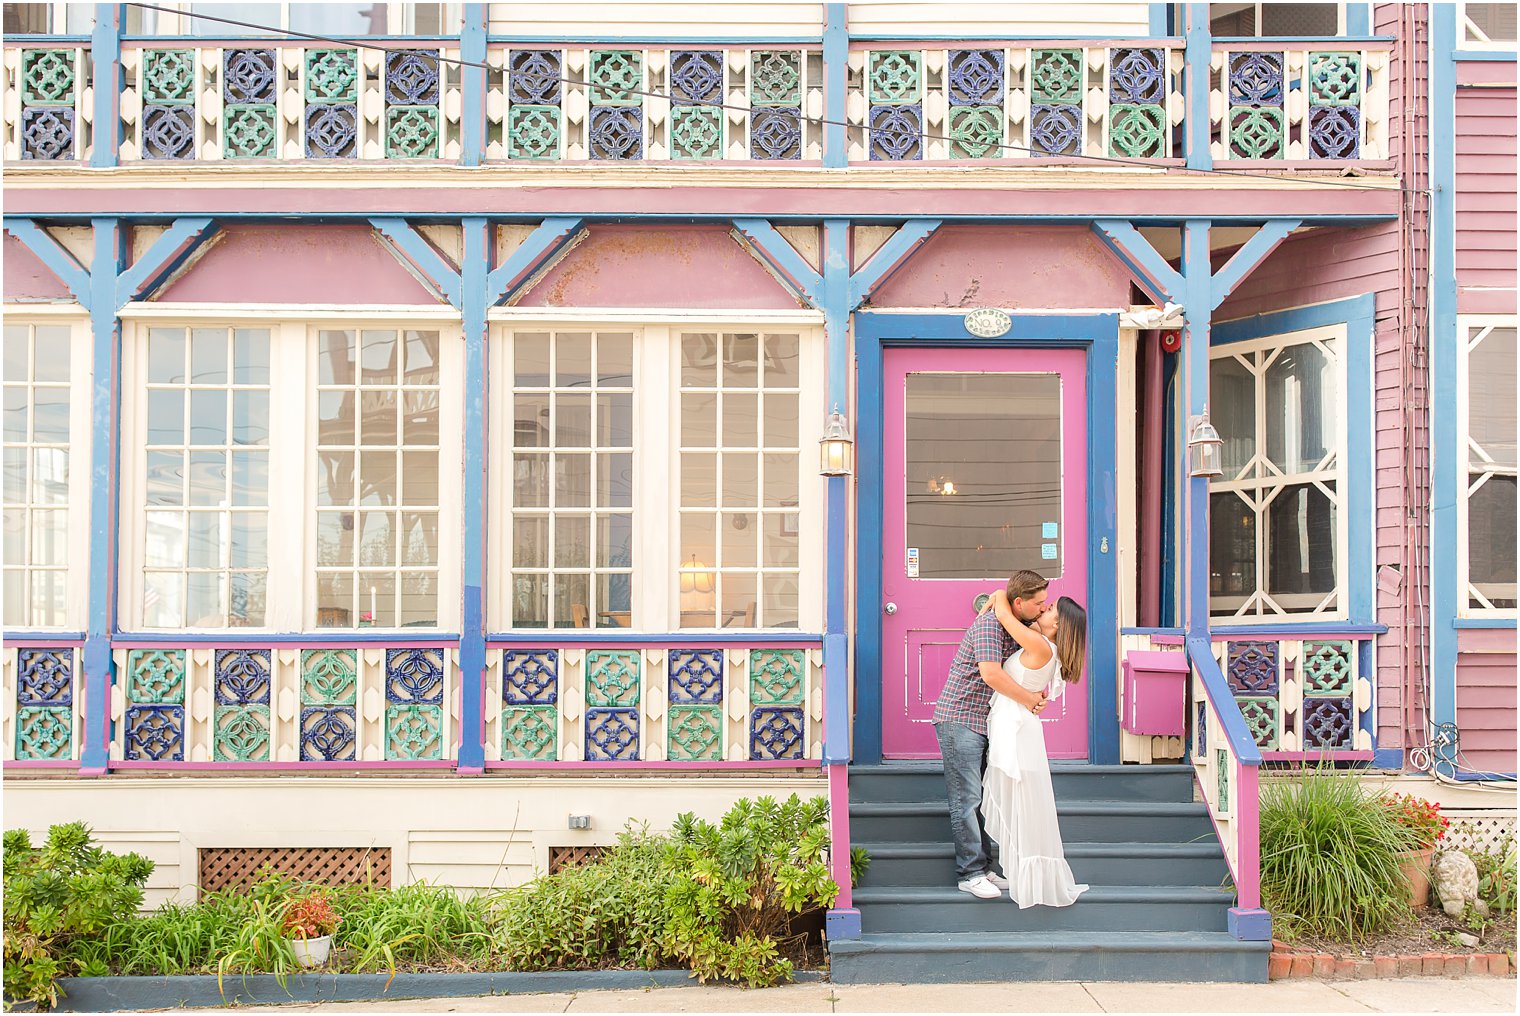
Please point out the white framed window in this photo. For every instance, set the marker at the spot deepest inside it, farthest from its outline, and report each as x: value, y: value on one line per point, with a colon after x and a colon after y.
x: 342, y: 20
x: 46, y: 463
x: 1486, y: 26
x: 1486, y: 421
x: 1277, y: 20
x: 1277, y: 524
x: 289, y: 475
x: 719, y: 508
x: 49, y: 19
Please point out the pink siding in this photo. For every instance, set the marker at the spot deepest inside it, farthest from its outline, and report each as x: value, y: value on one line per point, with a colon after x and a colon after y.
x: 1018, y: 268
x: 660, y: 266
x: 298, y: 264
x: 1485, y: 194
x: 1486, y: 706
x: 27, y: 279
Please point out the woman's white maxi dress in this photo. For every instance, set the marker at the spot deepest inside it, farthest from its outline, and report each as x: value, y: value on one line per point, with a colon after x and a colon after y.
x: 1018, y: 802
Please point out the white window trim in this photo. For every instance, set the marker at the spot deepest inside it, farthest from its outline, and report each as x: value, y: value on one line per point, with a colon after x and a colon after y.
x: 81, y: 447
x: 290, y: 592
x: 1337, y: 334
x: 656, y: 486
x: 1466, y: 324
x: 1483, y: 42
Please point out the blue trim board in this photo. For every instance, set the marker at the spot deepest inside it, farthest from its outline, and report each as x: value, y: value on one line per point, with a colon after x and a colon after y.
x: 1299, y: 629
x: 836, y: 71
x: 618, y: 636
x: 105, y: 56
x: 1198, y: 52
x: 472, y: 118
x: 1099, y: 335
x: 1444, y: 453
x: 1197, y: 288
x: 836, y: 289
x: 1483, y: 622
x: 241, y: 636
x: 474, y: 265
x: 1493, y: 55
x: 552, y: 236
x: 782, y: 258
x: 1357, y: 314
x: 1160, y: 18
x: 1358, y: 20
x: 1471, y: 777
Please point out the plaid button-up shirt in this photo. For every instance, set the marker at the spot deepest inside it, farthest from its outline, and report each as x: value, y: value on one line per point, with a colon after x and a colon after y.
x: 966, y: 697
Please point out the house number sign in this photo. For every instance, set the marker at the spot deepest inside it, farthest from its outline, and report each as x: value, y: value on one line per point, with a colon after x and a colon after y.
x: 988, y: 322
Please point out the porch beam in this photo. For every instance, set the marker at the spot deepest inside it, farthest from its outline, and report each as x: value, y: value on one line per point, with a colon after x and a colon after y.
x: 55, y: 256
x: 168, y: 255
x: 1149, y: 269
x: 1250, y: 255
x: 552, y: 237
x: 889, y: 258
x: 431, y: 268
x: 777, y: 254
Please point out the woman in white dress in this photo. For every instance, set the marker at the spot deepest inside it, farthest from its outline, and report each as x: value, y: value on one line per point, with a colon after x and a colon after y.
x: 1018, y: 802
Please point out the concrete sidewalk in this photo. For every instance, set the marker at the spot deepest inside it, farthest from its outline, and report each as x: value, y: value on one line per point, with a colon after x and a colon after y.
x: 1411, y: 995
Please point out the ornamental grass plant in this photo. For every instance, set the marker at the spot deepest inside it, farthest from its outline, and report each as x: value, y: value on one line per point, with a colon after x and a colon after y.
x: 1330, y: 857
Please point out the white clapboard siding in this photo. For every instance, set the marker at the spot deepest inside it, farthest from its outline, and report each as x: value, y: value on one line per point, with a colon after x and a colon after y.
x: 665, y: 21
x: 999, y: 20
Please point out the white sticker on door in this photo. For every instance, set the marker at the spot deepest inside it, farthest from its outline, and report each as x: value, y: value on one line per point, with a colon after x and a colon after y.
x: 912, y: 562
x: 1048, y: 551
x: 1048, y: 530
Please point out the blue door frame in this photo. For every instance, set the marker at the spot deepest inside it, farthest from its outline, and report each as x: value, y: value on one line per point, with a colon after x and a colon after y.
x: 1098, y: 334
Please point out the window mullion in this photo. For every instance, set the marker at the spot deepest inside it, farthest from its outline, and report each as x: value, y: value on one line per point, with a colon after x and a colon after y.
x: 656, y: 366
x: 291, y: 592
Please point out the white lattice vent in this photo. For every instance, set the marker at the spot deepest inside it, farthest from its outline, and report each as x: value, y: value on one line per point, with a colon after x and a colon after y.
x: 1486, y: 830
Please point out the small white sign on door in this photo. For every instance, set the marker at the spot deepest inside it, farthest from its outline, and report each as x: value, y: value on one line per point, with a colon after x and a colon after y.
x: 912, y: 562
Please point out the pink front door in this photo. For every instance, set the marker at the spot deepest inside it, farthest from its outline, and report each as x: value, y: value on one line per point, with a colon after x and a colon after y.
x: 984, y: 457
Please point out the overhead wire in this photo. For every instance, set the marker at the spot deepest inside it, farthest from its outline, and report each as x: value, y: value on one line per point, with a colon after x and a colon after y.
x: 1112, y: 160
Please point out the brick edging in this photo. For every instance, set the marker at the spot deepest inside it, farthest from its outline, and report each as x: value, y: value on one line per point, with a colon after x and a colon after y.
x: 1287, y: 961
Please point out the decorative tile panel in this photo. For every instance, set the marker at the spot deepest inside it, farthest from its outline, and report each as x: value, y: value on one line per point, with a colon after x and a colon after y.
x: 332, y: 75
x: 533, y: 132
x: 530, y: 677
x: 328, y: 734
x: 976, y: 132
x: 248, y: 77
x: 168, y: 77
x: 414, y: 713
x: 413, y: 128
x: 977, y: 78
x: 777, y: 677
x: 533, y: 77
x: 1327, y: 668
x: 1252, y: 668
x: 414, y: 676
x: 1137, y: 76
x: 168, y: 132
x: 49, y: 87
x: 1223, y: 768
x: 696, y: 734
x: 43, y: 706
x: 612, y: 677
x: 47, y: 77
x: 47, y: 133
x: 1055, y: 130
x: 696, y: 676
x: 1335, y: 79
x: 1261, y: 719
x: 896, y: 133
x: 612, y: 735
x: 44, y: 732
x: 775, y: 78
x: 156, y: 676
x: 44, y: 677
x: 155, y: 733
x: 617, y: 78
x: 242, y: 676
x: 1335, y: 132
x: 697, y: 132
x: 1257, y: 123
x: 1057, y: 76
x: 617, y: 133
x: 329, y: 677
x: 776, y: 734
x: 1137, y: 132
x: 332, y: 130
x: 775, y: 133
x: 896, y: 78
x: 413, y: 732
x: 242, y: 734
x: 1327, y: 723
x: 242, y: 692
x: 530, y: 733
x: 250, y: 132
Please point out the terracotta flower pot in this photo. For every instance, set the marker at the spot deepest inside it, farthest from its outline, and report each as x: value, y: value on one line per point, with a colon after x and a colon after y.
x: 311, y: 952
x: 1415, y: 864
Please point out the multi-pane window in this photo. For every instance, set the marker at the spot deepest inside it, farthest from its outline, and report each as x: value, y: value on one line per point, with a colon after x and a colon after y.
x: 36, y: 482
x: 1485, y: 24
x: 1275, y: 516
x: 206, y: 478
x: 739, y: 479
x: 1488, y: 503
x: 1274, y: 20
x: 377, y: 506
x: 572, y: 480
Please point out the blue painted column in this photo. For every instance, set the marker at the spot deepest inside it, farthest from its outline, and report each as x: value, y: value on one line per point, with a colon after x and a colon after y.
x: 472, y: 118
x: 1197, y: 292
x: 473, y: 268
x: 1200, y: 46
x: 836, y: 82
x: 108, y: 260
x: 105, y: 54
x: 1445, y: 457
x: 843, y: 921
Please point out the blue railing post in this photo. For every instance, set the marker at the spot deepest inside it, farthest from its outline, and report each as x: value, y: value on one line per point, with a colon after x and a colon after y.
x: 836, y: 83
x: 1197, y: 54
x: 105, y: 58
x: 472, y: 118
x: 474, y: 268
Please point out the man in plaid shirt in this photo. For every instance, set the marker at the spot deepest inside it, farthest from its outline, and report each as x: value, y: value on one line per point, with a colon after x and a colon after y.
x: 960, y: 723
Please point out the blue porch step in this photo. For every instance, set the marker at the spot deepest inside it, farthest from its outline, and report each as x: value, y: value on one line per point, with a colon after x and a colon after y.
x: 1157, y: 909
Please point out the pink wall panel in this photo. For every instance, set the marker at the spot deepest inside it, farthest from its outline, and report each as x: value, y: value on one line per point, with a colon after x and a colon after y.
x: 660, y: 266
x: 1021, y: 267
x: 332, y: 264
x: 1486, y: 709
x: 1485, y: 198
x: 27, y: 279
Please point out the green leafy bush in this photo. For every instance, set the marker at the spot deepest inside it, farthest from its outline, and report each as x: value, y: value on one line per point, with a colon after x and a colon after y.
x: 57, y: 898
x: 609, y: 912
x: 1496, y: 878
x: 1329, y: 857
x: 745, y: 888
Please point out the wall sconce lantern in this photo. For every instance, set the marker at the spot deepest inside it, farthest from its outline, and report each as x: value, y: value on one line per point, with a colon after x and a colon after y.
x: 1205, y: 448
x: 836, y: 448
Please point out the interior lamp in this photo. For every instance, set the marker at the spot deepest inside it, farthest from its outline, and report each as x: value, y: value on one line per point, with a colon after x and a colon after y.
x: 695, y: 578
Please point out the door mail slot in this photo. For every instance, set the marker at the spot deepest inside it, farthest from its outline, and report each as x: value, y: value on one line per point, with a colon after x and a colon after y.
x: 1155, y: 691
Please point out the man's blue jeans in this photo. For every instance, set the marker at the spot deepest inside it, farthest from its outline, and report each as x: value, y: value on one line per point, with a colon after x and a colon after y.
x: 965, y: 755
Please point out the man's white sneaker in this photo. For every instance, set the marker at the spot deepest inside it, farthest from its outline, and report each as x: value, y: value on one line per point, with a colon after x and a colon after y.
x: 979, y: 886
x: 997, y: 880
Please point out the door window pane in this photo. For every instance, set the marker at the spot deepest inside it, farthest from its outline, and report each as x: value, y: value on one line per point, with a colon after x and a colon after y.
x: 1490, y: 497
x: 983, y: 473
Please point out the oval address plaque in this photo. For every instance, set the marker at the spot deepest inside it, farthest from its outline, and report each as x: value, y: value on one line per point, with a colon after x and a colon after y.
x: 988, y: 322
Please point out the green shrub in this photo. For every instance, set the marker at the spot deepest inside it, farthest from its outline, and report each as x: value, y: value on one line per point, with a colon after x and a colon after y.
x: 1329, y: 857
x: 607, y: 913
x: 416, y: 923
x: 745, y: 889
x: 58, y: 898
x: 1496, y: 878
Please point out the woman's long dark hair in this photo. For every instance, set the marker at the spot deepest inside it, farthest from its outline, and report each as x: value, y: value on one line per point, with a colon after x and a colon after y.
x: 1071, y: 638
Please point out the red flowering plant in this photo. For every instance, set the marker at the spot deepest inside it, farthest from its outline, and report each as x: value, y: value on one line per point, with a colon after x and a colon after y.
x: 1421, y: 817
x: 310, y: 915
